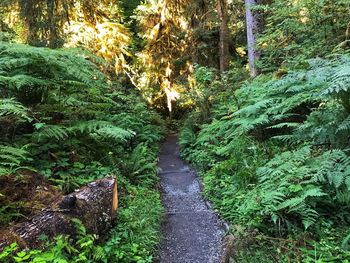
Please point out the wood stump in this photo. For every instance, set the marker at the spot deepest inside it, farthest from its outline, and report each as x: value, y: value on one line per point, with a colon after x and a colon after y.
x: 94, y: 204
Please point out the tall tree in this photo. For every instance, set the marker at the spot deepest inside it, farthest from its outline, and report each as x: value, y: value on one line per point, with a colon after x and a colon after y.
x: 224, y: 52
x: 252, y: 30
x: 44, y: 21
x: 163, y: 28
x: 202, y: 33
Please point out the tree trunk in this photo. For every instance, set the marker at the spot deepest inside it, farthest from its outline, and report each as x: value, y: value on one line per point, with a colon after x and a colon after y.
x: 94, y: 204
x: 224, y: 52
x: 252, y: 30
x: 52, y: 37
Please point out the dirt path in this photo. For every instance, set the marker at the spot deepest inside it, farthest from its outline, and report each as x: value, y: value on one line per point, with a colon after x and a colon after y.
x: 192, y: 231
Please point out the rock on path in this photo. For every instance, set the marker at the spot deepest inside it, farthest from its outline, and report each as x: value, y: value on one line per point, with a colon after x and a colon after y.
x: 192, y: 231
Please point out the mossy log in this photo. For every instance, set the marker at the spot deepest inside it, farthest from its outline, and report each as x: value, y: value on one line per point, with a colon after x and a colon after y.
x: 94, y: 204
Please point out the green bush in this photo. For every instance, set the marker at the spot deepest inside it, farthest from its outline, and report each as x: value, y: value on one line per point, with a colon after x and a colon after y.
x: 62, y: 117
x: 275, y: 161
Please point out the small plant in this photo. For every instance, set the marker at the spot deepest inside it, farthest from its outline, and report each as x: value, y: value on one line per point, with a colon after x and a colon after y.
x: 136, y: 235
x: 11, y: 159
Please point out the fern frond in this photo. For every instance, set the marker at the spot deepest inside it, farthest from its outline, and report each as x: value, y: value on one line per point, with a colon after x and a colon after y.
x: 45, y: 132
x: 11, y: 108
x: 344, y: 125
x: 102, y: 130
x: 11, y: 158
x: 113, y: 132
x: 290, y: 203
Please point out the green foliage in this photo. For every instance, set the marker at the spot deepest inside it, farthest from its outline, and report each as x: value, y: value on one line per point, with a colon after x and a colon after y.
x: 49, y: 132
x: 275, y: 159
x: 63, y: 250
x: 70, y: 121
x: 297, y: 186
x: 11, y: 109
x: 340, y: 82
x: 11, y: 159
x: 295, y: 248
x: 10, y: 212
x: 35, y: 70
x: 132, y: 240
x: 141, y: 165
x: 137, y: 232
x: 62, y: 116
x: 296, y: 31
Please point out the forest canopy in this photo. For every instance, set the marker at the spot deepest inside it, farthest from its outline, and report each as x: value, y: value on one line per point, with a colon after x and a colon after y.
x: 157, y: 44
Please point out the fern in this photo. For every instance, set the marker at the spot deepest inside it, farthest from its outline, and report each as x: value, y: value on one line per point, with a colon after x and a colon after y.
x: 61, y: 103
x: 150, y: 134
x: 344, y: 125
x: 102, y: 130
x: 38, y: 70
x: 9, y: 108
x: 11, y: 159
x: 114, y: 133
x: 141, y: 166
x: 45, y: 132
x: 333, y: 168
x: 340, y: 81
x: 291, y: 182
x: 276, y: 102
x: 187, y: 139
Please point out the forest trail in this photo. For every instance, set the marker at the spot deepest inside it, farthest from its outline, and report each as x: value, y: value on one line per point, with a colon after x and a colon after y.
x: 192, y: 231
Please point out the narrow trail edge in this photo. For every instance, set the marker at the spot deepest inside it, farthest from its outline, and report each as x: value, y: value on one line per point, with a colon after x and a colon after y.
x: 193, y: 232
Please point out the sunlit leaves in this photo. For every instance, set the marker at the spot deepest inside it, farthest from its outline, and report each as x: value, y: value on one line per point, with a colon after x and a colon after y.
x: 163, y: 27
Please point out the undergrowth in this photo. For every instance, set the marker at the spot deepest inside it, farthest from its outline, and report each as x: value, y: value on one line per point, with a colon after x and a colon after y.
x: 133, y: 239
x: 64, y: 119
x: 274, y: 158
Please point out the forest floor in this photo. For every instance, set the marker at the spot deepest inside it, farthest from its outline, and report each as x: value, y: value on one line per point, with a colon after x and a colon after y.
x: 192, y: 232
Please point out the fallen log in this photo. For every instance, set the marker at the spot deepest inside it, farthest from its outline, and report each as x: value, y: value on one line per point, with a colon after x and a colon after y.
x: 94, y: 204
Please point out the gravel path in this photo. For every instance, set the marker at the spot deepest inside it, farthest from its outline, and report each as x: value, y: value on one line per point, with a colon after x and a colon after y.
x: 192, y: 231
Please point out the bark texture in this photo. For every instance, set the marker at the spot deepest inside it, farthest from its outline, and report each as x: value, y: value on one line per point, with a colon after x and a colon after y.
x: 94, y: 205
x: 224, y: 51
x: 252, y: 30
